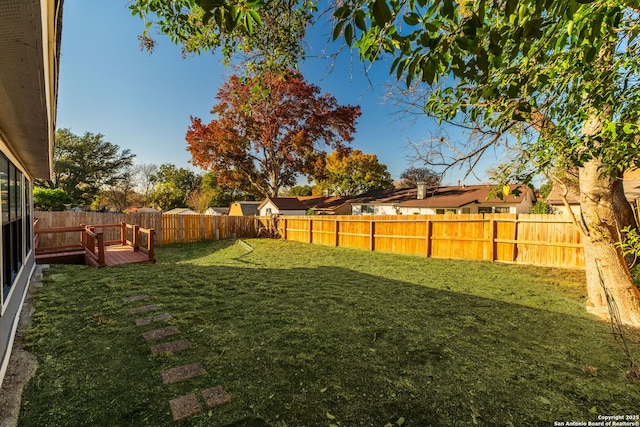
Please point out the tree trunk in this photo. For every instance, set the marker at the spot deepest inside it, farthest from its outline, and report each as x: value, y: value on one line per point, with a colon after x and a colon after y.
x: 602, y: 257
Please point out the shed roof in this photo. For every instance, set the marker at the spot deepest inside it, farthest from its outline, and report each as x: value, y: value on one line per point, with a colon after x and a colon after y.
x: 181, y: 211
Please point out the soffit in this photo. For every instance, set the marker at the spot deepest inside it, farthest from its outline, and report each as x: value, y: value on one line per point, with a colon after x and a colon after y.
x: 26, y: 122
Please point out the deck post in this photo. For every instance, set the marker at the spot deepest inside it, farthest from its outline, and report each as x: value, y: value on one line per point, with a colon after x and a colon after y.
x: 136, y: 238
x: 152, y: 239
x: 100, y: 237
x: 123, y: 233
x: 83, y: 236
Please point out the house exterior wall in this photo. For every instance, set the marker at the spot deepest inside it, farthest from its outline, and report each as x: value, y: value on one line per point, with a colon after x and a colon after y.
x: 16, y: 242
x: 268, y: 209
x: 373, y: 209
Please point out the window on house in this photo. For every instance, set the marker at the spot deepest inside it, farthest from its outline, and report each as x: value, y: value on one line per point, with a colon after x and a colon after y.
x: 485, y: 210
x: 12, y: 230
x: 501, y: 210
x: 446, y: 211
x: 366, y: 209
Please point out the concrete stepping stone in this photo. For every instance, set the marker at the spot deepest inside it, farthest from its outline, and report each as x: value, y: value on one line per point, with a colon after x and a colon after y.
x: 171, y: 347
x: 142, y: 321
x: 135, y: 298
x: 215, y: 396
x: 144, y: 309
x: 160, y: 333
x: 184, y: 407
x: 181, y: 373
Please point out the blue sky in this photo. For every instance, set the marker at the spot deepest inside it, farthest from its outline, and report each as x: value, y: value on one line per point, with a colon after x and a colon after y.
x: 143, y: 102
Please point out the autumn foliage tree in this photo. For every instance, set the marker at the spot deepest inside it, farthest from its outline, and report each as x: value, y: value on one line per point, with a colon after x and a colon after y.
x: 269, y: 129
x: 353, y: 172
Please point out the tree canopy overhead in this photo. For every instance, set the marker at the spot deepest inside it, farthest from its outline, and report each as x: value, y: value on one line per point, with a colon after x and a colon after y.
x: 560, y: 76
x: 269, y: 129
x: 262, y: 35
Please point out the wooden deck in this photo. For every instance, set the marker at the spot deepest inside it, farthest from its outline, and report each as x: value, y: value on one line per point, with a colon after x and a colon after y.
x: 113, y: 255
x: 121, y: 254
x: 135, y: 246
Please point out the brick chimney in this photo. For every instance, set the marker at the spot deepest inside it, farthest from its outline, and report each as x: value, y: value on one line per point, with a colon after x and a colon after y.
x: 422, y: 189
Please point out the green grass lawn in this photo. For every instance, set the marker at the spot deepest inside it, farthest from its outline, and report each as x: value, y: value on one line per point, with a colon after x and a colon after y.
x: 305, y: 335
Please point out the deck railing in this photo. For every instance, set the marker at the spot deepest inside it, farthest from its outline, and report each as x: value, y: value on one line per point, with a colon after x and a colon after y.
x: 92, y: 242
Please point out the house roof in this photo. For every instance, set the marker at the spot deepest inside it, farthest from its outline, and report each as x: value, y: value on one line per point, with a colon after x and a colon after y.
x: 219, y: 210
x: 324, y: 202
x: 142, y: 210
x: 29, y: 76
x: 248, y: 208
x: 458, y: 196
x: 181, y: 211
x: 554, y: 197
x: 284, y: 203
x: 390, y: 196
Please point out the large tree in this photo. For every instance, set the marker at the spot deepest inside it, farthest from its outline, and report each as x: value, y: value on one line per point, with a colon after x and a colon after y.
x: 560, y: 76
x: 269, y: 129
x: 85, y: 165
x: 411, y: 176
x: 353, y: 172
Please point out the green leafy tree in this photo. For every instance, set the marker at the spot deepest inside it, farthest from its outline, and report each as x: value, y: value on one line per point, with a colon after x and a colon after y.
x: 260, y: 35
x: 50, y: 199
x: 84, y: 165
x: 300, y: 190
x: 559, y: 76
x: 174, y: 186
x: 349, y: 173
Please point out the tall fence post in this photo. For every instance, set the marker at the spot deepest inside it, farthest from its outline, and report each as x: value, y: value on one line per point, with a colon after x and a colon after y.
x: 310, y: 230
x: 337, y: 236
x: 372, y: 231
x: 492, y: 238
x: 428, y: 242
x: 284, y: 228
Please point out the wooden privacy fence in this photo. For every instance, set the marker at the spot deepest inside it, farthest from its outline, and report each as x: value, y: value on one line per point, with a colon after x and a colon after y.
x: 549, y: 240
x: 168, y: 228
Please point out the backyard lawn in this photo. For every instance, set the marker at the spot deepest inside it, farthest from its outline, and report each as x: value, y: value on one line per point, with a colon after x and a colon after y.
x: 306, y: 335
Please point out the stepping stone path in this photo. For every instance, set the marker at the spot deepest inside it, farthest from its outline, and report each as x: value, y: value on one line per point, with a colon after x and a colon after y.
x: 184, y: 406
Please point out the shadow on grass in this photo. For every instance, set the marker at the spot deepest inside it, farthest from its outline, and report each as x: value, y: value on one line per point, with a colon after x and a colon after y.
x: 314, y: 346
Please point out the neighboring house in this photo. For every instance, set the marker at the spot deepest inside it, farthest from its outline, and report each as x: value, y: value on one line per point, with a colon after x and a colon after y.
x: 30, y: 49
x: 462, y: 199
x: 469, y: 199
x: 327, y: 205
x: 180, y: 211
x: 554, y: 200
x: 630, y: 184
x: 243, y: 208
x: 142, y: 210
x: 216, y: 211
x: 381, y: 202
x: 281, y: 206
